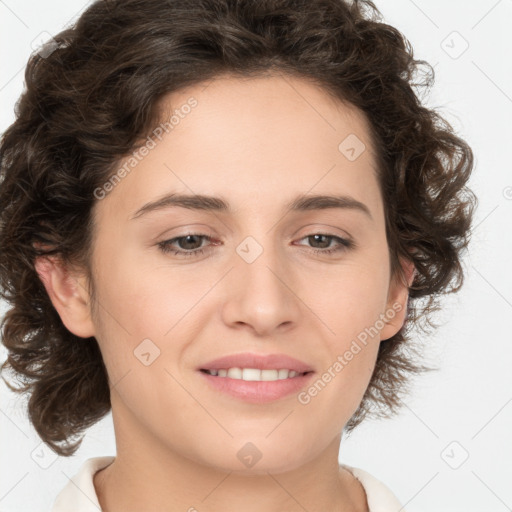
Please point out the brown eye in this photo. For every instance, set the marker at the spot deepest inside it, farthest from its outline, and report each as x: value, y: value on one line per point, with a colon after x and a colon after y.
x: 324, y: 240
x: 188, y: 245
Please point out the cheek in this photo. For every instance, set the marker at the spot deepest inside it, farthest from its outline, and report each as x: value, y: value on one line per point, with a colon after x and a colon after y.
x: 142, y: 296
x: 349, y: 299
x: 147, y: 317
x: 350, y: 306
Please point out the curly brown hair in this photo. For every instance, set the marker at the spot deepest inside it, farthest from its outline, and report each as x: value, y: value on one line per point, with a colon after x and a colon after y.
x: 94, y: 96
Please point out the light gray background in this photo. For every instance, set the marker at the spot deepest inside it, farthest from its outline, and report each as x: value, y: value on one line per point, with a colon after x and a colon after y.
x: 462, y: 410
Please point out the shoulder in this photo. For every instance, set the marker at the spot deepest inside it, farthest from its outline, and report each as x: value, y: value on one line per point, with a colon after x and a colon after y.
x: 380, y: 498
x: 79, y: 493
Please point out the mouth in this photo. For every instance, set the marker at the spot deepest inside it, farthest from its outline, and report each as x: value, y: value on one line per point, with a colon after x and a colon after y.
x: 255, y: 386
x: 254, y: 374
x: 256, y: 378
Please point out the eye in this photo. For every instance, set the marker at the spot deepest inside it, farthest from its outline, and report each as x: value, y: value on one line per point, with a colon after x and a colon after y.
x: 167, y: 245
x: 342, y: 243
x: 191, y: 244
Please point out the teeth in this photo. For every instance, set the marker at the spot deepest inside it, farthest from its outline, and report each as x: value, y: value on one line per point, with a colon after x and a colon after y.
x: 236, y: 373
x: 254, y: 374
x: 283, y: 374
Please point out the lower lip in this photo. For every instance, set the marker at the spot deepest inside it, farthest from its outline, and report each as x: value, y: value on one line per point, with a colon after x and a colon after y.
x: 258, y: 392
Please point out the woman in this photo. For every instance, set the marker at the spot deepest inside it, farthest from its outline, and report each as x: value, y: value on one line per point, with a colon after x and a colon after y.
x: 218, y: 217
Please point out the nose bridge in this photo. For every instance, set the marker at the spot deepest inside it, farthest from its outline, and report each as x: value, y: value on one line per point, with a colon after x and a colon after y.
x: 259, y: 292
x: 261, y: 261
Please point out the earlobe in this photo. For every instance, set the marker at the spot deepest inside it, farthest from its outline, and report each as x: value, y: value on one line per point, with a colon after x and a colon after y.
x: 396, y: 307
x: 67, y: 295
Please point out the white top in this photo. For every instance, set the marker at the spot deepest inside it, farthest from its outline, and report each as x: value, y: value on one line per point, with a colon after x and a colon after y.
x: 79, y: 494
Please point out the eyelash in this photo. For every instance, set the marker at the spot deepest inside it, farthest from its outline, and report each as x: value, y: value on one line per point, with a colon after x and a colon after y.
x: 166, y: 246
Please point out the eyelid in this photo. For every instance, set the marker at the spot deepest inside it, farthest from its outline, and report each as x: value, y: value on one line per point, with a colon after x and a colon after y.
x: 341, y: 244
x: 317, y: 228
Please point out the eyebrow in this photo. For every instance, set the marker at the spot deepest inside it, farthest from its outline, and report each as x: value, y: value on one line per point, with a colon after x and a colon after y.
x: 301, y: 203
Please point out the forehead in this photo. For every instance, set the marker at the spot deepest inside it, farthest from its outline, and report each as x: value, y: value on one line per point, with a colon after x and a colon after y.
x: 266, y: 137
x: 271, y: 108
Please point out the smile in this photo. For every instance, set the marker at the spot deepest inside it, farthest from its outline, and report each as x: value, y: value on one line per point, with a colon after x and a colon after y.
x: 254, y: 385
x: 255, y: 374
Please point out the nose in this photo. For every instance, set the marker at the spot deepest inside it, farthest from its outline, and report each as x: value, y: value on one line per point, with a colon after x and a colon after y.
x: 260, y: 295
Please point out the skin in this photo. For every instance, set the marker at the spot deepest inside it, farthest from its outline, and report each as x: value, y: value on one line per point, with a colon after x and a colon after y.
x: 258, y: 144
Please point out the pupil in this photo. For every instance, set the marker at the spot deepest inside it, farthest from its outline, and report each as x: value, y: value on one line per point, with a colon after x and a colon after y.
x: 186, y: 241
x: 319, y: 236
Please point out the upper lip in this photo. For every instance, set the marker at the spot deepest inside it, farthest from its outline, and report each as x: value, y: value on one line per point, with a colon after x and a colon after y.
x: 262, y: 362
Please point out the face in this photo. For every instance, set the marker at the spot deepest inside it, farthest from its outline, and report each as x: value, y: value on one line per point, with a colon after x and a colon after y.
x: 258, y: 276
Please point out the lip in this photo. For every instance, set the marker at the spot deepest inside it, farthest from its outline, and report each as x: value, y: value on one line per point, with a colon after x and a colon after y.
x: 259, y: 361
x: 257, y: 392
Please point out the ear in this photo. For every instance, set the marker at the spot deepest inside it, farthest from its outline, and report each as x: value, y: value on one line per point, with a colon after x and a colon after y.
x: 68, y: 295
x: 398, y: 294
